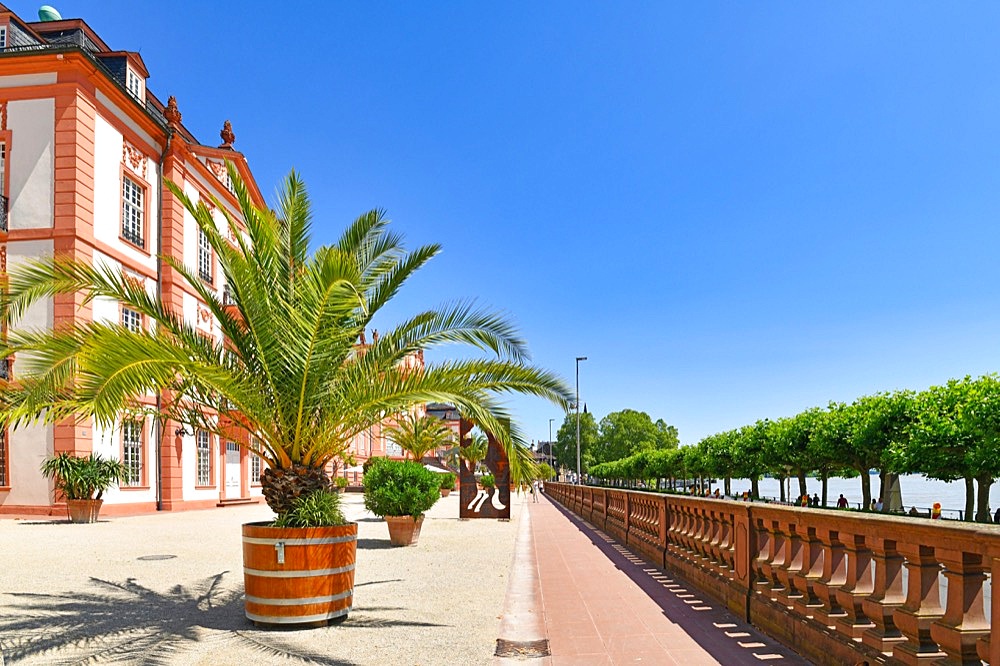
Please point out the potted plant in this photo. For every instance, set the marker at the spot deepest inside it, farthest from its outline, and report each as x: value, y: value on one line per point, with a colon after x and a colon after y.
x: 447, y: 483
x: 291, y: 376
x: 82, y: 482
x: 419, y: 435
x: 400, y: 492
x: 341, y: 483
x: 299, y: 568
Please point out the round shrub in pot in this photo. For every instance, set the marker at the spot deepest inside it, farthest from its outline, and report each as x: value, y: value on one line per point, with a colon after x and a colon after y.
x: 401, y: 492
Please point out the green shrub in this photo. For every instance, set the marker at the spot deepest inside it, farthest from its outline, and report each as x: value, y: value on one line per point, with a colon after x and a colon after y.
x: 341, y: 482
x: 400, y: 488
x: 488, y: 481
x: 319, y: 508
x: 447, y: 481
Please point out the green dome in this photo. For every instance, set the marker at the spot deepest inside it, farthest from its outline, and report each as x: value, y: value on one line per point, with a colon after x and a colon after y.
x: 47, y: 13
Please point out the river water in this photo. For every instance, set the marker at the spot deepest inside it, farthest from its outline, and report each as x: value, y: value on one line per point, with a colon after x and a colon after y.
x: 917, y: 491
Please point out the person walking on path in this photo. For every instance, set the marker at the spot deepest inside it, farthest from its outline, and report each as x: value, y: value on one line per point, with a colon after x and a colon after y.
x: 534, y: 490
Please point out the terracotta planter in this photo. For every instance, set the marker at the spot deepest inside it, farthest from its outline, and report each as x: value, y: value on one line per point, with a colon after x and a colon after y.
x: 83, y: 511
x: 298, y: 575
x: 404, y: 530
x: 445, y: 492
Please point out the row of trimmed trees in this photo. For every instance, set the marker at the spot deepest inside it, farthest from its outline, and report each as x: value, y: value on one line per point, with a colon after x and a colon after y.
x: 949, y: 433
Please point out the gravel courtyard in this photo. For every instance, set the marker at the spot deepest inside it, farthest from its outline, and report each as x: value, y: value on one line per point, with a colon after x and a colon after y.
x: 105, y: 593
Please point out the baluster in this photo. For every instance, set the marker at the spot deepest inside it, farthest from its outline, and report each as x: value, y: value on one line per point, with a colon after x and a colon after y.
x: 921, y: 608
x: 774, y: 563
x: 887, y: 595
x: 859, y: 585
x: 805, y: 600
x: 834, y: 575
x: 726, y: 546
x: 760, y: 552
x: 964, y: 620
x: 795, y: 561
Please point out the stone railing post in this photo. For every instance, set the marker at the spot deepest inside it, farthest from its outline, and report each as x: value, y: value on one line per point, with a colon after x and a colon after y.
x: 795, y: 561
x: 858, y: 585
x: 964, y: 620
x: 886, y: 597
x: 804, y: 601
x: 771, y: 586
x: 834, y: 575
x: 921, y: 608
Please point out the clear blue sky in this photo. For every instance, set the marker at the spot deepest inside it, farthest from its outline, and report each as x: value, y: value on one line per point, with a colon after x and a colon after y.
x: 735, y: 210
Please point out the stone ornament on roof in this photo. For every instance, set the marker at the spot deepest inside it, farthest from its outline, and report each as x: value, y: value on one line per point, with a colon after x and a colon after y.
x: 228, y: 138
x: 172, y: 113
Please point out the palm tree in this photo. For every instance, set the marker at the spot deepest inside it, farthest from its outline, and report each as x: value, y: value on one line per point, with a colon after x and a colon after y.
x: 291, y: 370
x: 419, y: 435
x: 475, y: 450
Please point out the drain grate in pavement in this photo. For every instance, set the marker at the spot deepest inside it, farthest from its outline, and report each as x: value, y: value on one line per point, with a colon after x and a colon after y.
x: 147, y: 558
x: 529, y: 649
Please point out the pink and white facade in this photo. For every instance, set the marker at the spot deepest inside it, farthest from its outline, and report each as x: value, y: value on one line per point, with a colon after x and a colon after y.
x: 85, y: 150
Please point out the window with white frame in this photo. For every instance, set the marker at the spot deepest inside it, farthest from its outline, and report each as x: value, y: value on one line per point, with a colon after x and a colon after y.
x: 134, y: 84
x: 255, y: 468
x: 204, y: 462
x: 131, y: 320
x: 132, y: 452
x: 3, y: 458
x: 204, y: 256
x: 132, y: 211
x: 3, y: 179
x: 256, y: 464
x: 3, y: 37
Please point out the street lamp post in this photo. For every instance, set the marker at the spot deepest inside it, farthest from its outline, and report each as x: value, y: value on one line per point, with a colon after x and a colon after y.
x: 578, y: 475
x: 552, y: 454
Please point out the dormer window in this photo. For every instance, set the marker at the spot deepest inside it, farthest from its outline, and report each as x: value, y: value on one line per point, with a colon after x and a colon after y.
x: 3, y: 38
x: 134, y: 84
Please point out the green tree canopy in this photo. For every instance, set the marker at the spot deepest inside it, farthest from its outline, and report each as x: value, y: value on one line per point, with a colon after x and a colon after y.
x: 629, y: 431
x: 564, y: 447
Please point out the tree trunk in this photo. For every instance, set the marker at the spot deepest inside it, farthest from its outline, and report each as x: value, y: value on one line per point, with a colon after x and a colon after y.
x: 728, y: 487
x: 866, y: 490
x: 824, y: 477
x: 803, y: 489
x: 983, y: 504
x: 883, y: 489
x: 755, y: 488
x: 970, y: 502
x: 781, y: 488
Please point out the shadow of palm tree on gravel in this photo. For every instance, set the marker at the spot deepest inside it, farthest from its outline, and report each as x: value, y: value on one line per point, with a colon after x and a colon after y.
x: 125, y: 622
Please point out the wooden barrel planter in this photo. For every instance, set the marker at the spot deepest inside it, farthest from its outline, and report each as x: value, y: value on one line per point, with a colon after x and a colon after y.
x: 298, y: 575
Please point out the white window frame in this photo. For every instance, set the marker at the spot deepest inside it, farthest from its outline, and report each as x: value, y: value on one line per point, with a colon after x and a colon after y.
x: 131, y: 320
x: 203, y: 463
x: 204, y: 257
x: 3, y: 37
x: 134, y: 84
x: 133, y: 211
x: 132, y: 452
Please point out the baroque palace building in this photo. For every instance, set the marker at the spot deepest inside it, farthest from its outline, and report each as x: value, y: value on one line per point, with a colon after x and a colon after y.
x: 85, y: 150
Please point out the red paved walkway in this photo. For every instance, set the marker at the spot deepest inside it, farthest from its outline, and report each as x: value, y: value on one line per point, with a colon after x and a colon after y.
x: 597, y: 603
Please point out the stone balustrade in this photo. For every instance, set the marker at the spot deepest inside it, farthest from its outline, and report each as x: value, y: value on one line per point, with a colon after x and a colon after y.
x: 838, y: 587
